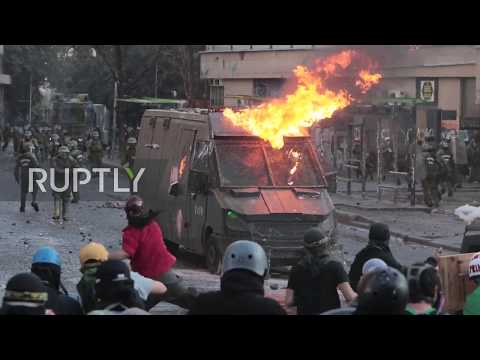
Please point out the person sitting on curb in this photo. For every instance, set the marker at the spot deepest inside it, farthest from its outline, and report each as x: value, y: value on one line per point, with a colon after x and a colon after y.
x: 46, y: 264
x: 424, y: 289
x: 25, y: 294
x: 91, y: 256
x: 242, y: 290
x: 313, y: 282
x: 115, y: 292
x: 379, y: 237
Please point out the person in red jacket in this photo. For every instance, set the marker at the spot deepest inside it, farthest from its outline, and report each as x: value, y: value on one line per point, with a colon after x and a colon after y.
x: 144, y: 246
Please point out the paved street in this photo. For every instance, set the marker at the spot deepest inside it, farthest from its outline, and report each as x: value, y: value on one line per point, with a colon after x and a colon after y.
x: 99, y: 217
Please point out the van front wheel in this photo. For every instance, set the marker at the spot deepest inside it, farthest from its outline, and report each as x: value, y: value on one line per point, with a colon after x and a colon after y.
x: 213, y: 257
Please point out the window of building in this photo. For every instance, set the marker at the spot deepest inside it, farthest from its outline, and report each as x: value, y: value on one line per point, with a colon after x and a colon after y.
x: 268, y: 87
x: 216, y: 94
x: 469, y: 108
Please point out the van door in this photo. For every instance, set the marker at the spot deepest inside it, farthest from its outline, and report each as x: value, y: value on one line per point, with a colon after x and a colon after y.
x: 198, y: 193
x: 144, y: 154
x: 179, y: 174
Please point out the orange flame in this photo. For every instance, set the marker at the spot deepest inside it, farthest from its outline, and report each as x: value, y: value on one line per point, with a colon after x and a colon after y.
x: 183, y: 165
x: 296, y: 157
x: 367, y: 80
x: 310, y: 102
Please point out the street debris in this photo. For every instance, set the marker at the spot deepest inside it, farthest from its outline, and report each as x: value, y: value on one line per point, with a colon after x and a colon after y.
x: 113, y: 205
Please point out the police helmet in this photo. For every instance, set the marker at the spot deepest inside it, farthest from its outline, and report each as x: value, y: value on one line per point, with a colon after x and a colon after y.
x: 47, y: 255
x: 95, y: 134
x: 73, y: 144
x: 382, y: 291
x: 55, y: 136
x: 131, y: 140
x: 63, y: 149
x: 28, y: 133
x: 245, y: 255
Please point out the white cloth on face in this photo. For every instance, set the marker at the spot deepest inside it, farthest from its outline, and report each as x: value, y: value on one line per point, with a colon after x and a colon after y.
x: 142, y: 284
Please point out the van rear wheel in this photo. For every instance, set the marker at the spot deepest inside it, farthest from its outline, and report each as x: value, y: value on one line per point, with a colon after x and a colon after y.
x: 213, y: 257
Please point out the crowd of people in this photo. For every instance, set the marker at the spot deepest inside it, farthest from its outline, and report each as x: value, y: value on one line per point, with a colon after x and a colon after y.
x: 135, y: 278
x: 37, y: 147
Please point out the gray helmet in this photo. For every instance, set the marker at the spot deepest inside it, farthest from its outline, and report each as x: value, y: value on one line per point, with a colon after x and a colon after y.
x: 73, y: 144
x: 131, y: 140
x: 246, y: 255
x: 28, y: 133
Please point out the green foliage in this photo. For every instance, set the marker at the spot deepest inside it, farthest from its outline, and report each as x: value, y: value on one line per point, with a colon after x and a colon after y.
x: 93, y: 69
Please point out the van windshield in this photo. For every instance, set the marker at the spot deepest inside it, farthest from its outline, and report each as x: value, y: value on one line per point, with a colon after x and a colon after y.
x: 246, y: 165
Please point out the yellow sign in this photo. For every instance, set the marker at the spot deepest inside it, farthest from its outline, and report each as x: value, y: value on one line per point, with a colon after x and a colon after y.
x: 427, y: 90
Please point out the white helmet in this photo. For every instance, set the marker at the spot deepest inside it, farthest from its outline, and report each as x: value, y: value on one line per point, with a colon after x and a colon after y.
x: 373, y: 264
x: 245, y: 255
x: 474, y: 267
x: 131, y: 140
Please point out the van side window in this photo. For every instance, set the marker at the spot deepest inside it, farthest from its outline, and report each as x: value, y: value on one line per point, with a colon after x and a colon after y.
x: 201, y: 156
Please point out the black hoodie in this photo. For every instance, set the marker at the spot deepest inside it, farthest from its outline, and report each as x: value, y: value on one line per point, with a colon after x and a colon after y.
x: 374, y: 250
x: 241, y: 293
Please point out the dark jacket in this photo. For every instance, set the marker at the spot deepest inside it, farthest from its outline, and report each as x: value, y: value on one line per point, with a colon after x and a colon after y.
x: 241, y: 293
x: 371, y: 251
x: 62, y: 304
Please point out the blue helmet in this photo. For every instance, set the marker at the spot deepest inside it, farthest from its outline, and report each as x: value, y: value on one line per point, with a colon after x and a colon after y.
x: 46, y: 255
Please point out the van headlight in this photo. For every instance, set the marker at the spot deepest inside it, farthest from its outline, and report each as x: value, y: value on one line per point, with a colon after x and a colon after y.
x: 234, y: 222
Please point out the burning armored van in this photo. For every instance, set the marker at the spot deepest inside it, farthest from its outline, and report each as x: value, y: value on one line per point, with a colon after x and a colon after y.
x: 215, y: 183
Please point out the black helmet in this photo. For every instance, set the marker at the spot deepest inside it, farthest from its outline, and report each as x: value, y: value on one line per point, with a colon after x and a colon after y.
x: 315, y: 238
x: 382, y: 292
x: 134, y: 206
x: 25, y: 288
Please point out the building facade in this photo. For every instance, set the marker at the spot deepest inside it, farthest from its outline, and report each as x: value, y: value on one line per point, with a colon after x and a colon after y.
x: 444, y: 77
x: 4, y: 80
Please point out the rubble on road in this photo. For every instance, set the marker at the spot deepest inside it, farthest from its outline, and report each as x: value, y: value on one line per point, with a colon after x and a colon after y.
x: 113, y: 205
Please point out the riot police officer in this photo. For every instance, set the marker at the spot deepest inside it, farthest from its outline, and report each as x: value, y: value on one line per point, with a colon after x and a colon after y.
x: 447, y: 168
x: 7, y: 136
x: 53, y: 146
x: 25, y: 161
x: 430, y: 182
x: 61, y: 195
x: 387, y: 157
x: 78, y: 156
x: 95, y: 150
x: 473, y: 154
x: 129, y: 159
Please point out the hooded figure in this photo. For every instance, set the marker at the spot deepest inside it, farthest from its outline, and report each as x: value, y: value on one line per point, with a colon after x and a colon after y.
x: 313, y: 282
x: 379, y: 237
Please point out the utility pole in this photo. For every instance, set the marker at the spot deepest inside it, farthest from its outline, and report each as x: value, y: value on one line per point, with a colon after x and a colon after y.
x: 156, y: 80
x: 30, y: 102
x: 114, y: 117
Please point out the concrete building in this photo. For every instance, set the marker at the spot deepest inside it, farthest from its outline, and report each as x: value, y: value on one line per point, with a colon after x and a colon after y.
x: 445, y: 77
x: 4, y: 80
